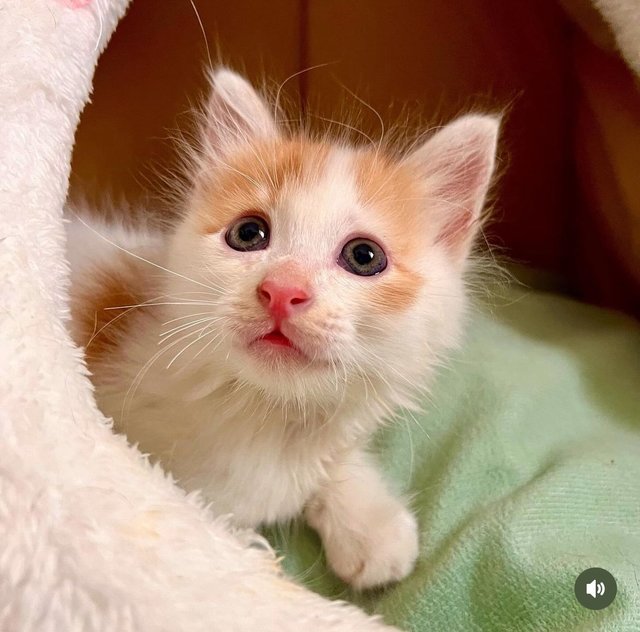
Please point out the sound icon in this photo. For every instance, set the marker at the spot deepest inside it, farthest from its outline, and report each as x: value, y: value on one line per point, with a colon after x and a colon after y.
x: 595, y: 588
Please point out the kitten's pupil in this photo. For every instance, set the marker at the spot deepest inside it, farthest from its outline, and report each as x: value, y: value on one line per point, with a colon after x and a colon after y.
x: 363, y: 254
x: 249, y: 231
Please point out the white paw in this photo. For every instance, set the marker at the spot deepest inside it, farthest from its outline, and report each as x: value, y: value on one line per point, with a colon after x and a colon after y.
x: 378, y: 551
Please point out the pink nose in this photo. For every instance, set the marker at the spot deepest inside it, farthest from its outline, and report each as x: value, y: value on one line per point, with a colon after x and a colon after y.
x: 282, y: 300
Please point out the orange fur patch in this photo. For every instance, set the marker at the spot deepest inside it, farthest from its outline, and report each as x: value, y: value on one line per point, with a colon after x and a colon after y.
x: 396, y: 292
x: 253, y: 179
x: 99, y: 311
x: 395, y: 192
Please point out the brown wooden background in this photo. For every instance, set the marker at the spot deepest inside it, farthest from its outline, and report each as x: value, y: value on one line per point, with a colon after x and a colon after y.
x: 433, y: 57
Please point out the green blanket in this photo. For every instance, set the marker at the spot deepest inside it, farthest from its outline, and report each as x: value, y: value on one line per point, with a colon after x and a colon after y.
x: 524, y: 471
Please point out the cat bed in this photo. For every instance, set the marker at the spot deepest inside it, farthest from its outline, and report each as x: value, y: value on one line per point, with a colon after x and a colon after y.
x: 524, y: 473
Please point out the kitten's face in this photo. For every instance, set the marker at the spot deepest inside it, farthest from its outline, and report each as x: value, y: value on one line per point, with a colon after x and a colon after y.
x: 326, y: 264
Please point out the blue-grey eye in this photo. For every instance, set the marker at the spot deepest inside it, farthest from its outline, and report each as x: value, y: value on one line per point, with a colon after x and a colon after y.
x: 362, y: 257
x: 248, y: 233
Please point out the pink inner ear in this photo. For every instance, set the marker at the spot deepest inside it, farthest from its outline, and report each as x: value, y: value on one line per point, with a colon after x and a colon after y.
x: 457, y: 229
x: 463, y: 191
x: 466, y: 177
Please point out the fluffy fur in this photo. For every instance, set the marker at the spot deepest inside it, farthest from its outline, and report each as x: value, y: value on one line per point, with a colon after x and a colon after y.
x: 170, y: 321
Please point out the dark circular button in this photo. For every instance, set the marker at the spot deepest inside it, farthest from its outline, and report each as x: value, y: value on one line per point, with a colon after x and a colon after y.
x: 595, y: 588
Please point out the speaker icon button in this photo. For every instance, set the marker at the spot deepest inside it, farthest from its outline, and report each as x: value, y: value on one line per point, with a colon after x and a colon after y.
x: 595, y: 588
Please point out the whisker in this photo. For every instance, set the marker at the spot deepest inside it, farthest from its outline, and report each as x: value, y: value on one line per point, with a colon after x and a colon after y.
x: 173, y: 320
x: 132, y: 390
x: 345, y: 125
x: 176, y: 330
x: 204, y: 34
x: 276, y: 105
x: 182, y: 303
x: 175, y: 357
x: 224, y: 336
x: 372, y: 109
x: 128, y: 309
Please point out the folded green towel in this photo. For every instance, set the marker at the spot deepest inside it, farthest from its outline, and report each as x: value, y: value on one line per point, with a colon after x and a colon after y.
x: 524, y: 471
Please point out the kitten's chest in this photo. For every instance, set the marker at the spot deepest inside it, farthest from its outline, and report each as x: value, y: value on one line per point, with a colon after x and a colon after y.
x: 258, y: 465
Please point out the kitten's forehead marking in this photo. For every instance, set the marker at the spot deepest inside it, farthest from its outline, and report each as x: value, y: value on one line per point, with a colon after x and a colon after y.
x: 254, y: 178
x: 389, y: 191
x: 320, y: 210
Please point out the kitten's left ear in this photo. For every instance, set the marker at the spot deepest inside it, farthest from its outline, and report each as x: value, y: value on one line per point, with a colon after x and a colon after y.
x: 456, y: 165
x: 235, y: 113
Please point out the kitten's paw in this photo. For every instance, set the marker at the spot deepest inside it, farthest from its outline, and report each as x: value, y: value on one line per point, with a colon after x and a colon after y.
x: 379, y: 552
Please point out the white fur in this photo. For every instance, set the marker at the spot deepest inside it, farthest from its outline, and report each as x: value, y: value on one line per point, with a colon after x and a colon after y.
x: 263, y: 441
x: 369, y: 536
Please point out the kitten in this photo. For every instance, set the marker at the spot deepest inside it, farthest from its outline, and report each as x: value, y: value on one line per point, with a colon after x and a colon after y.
x: 308, y: 290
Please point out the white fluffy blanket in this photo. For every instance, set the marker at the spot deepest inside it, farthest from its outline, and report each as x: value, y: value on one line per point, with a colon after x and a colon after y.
x: 91, y: 536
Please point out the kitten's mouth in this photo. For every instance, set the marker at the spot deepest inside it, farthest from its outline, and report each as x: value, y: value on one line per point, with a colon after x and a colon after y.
x: 277, y: 345
x: 284, y: 350
x: 276, y: 337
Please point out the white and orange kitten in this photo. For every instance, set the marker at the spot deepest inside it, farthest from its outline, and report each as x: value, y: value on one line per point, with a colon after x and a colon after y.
x: 308, y: 290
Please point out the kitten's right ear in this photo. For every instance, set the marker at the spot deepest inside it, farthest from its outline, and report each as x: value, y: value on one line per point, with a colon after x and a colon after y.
x: 456, y: 165
x: 235, y: 113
